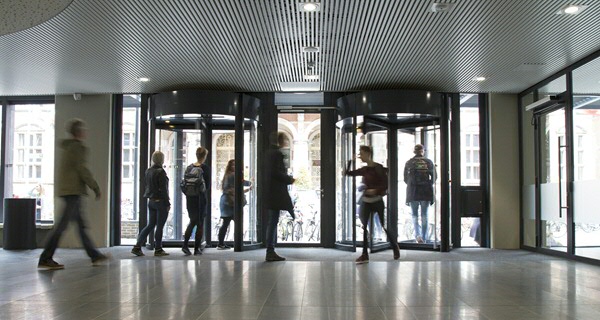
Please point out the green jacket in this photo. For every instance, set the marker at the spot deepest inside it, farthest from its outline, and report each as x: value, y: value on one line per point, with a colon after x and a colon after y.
x: 73, y: 174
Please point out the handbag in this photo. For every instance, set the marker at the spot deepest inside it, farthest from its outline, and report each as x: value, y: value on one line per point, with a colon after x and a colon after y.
x: 230, y: 199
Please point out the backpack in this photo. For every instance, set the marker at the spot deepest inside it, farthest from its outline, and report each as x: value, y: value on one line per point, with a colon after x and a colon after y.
x: 420, y: 171
x: 193, y: 183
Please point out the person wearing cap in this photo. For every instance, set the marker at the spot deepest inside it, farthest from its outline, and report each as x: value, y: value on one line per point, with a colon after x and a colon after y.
x: 419, y: 176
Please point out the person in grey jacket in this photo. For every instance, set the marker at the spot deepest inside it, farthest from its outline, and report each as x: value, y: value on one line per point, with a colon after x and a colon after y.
x: 71, y: 183
x: 157, y: 193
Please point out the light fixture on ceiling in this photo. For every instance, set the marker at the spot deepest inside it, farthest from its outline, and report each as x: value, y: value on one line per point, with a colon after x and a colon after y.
x: 442, y: 7
x: 311, y: 77
x: 571, y: 9
x: 309, y: 6
x: 143, y: 79
x: 479, y: 79
x: 311, y: 49
x: 300, y: 86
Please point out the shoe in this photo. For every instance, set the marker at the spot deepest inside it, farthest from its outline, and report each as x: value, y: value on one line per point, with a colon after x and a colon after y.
x: 272, y: 256
x: 160, y: 253
x: 396, y: 250
x: 197, y: 252
x: 420, y: 240
x: 364, y: 258
x: 100, y: 259
x: 223, y: 247
x: 137, y: 251
x: 186, y: 251
x: 50, y: 265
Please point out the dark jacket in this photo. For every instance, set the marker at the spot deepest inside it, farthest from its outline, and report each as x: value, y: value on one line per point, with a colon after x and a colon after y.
x: 156, y: 184
x: 419, y: 176
x: 374, y: 177
x: 73, y: 174
x: 277, y: 181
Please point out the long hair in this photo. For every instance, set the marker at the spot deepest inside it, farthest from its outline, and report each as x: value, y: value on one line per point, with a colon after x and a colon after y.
x: 229, y: 169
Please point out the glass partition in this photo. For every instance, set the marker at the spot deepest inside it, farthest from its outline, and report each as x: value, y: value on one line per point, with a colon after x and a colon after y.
x: 345, y: 198
x: 528, y: 172
x: 586, y: 159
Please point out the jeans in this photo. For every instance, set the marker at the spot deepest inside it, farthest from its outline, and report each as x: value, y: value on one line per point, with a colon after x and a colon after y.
x: 365, y: 212
x: 272, y: 222
x: 196, y: 208
x: 223, y: 230
x: 157, y: 217
x: 72, y: 211
x: 420, y: 230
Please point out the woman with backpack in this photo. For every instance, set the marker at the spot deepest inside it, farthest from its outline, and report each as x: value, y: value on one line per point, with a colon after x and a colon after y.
x: 227, y: 201
x: 194, y: 186
x: 375, y: 184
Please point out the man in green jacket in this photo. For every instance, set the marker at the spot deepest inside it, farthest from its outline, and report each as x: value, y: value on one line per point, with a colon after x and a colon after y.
x: 71, y: 183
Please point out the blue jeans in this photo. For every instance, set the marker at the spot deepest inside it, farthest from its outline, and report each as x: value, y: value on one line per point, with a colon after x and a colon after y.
x: 420, y: 231
x: 272, y: 221
x: 157, y: 217
x: 72, y: 211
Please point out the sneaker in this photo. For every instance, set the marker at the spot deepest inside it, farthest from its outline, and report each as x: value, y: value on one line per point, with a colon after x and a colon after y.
x: 223, y: 247
x: 186, y: 251
x: 100, y: 259
x: 137, y: 251
x: 272, y: 256
x: 197, y: 252
x: 420, y: 240
x: 396, y: 250
x: 364, y: 258
x: 50, y: 265
x: 160, y: 253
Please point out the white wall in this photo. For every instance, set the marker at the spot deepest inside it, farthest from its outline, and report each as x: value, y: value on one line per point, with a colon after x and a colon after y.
x: 96, y: 111
x: 504, y: 171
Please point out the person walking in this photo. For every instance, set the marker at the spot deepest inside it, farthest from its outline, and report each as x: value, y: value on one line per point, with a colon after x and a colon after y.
x: 276, y: 187
x: 157, y: 193
x: 375, y: 183
x: 419, y: 176
x: 72, y: 182
x: 227, y: 201
x: 196, y: 200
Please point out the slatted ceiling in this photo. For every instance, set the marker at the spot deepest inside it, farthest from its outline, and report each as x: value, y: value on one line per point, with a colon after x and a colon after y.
x: 245, y: 45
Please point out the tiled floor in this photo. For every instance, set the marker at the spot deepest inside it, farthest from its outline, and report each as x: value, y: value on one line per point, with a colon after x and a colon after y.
x: 175, y: 287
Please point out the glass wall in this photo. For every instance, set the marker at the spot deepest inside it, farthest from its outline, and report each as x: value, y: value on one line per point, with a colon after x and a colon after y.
x: 586, y: 159
x: 29, y: 170
x: 129, y: 169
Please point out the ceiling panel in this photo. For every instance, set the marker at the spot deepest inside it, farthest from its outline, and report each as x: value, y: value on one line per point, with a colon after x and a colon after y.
x: 254, y: 46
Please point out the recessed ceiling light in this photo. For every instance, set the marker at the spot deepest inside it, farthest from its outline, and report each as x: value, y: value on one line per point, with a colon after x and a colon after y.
x: 479, y: 79
x: 311, y: 77
x: 311, y: 49
x: 571, y: 9
x: 143, y: 79
x: 309, y: 6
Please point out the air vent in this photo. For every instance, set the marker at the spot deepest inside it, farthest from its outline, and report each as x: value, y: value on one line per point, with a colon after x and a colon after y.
x: 530, y: 66
x: 442, y: 7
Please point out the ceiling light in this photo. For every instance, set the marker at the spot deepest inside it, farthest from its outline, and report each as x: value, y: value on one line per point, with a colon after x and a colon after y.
x: 311, y: 77
x: 309, y: 6
x: 479, y: 79
x: 310, y: 49
x: 571, y: 9
x: 143, y: 79
x: 300, y: 86
x: 442, y: 7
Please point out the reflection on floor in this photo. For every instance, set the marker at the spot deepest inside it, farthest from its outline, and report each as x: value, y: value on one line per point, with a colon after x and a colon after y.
x: 463, y: 284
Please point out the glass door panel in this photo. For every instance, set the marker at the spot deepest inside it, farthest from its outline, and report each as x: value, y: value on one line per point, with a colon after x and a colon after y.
x: 586, y: 142
x: 302, y: 150
x: 553, y: 178
x: 378, y: 140
x: 406, y: 143
x: 345, y: 201
x: 432, y: 152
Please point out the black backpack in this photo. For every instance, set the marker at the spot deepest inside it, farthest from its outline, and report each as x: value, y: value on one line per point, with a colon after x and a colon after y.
x: 420, y: 171
x: 193, y: 183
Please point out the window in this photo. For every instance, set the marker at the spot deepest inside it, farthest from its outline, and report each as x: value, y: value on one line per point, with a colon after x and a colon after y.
x: 129, y: 166
x: 469, y: 132
x: 30, y: 156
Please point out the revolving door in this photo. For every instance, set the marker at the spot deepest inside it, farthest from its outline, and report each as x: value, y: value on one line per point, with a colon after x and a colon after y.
x: 392, y: 136
x: 225, y: 124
